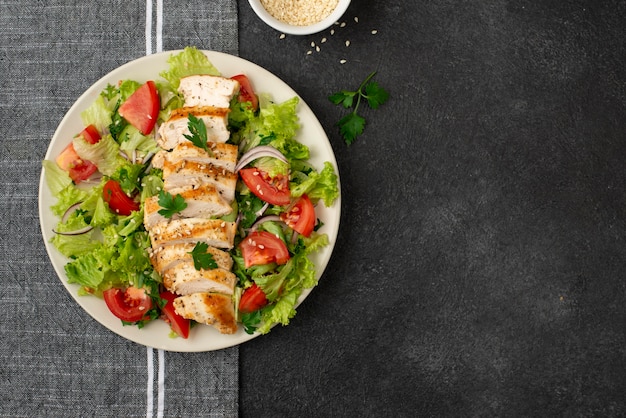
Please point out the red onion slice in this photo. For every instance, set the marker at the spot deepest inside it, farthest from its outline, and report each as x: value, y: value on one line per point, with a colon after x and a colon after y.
x: 80, y: 231
x: 69, y: 211
x: 267, y: 218
x: 258, y: 152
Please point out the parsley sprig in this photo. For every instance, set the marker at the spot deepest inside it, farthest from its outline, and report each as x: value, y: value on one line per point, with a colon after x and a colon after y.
x: 198, y: 136
x: 171, y: 204
x: 352, y: 125
x: 201, y: 258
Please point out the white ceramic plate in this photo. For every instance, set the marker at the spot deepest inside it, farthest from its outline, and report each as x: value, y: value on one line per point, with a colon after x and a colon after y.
x: 155, y: 334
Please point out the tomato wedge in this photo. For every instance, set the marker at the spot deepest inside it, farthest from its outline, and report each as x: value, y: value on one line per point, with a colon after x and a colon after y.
x: 274, y: 190
x: 252, y: 299
x: 262, y: 247
x: 129, y: 305
x: 118, y: 201
x: 179, y: 325
x: 141, y: 109
x: 300, y: 216
x: 77, y: 168
x: 90, y: 134
x: 246, y: 92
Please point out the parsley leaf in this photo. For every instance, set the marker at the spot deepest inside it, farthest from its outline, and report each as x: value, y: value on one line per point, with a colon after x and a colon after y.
x: 171, y: 204
x: 352, y: 125
x: 201, y: 258
x: 198, y: 136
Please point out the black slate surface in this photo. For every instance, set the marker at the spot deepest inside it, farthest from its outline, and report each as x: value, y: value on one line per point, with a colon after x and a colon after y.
x: 480, y: 265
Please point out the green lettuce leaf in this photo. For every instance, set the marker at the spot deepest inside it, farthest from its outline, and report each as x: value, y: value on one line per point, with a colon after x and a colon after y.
x: 104, y: 153
x: 322, y: 185
x: 99, y: 113
x: 190, y: 61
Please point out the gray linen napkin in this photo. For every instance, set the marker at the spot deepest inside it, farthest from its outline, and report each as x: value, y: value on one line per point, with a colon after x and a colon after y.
x: 55, y: 360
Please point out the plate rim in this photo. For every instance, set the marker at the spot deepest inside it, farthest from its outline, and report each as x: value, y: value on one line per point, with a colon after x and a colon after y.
x: 220, y: 60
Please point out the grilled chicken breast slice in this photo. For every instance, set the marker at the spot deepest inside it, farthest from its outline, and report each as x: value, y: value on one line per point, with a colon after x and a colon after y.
x: 215, y: 232
x: 208, y: 90
x: 184, y: 174
x: 166, y: 257
x: 224, y: 155
x: 204, y: 201
x: 210, y: 309
x: 184, y: 279
x: 172, y: 132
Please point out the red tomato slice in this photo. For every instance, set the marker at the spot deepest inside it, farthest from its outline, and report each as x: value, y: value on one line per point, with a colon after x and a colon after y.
x: 274, y: 190
x: 246, y: 92
x: 141, y: 109
x: 180, y: 325
x: 90, y: 134
x: 300, y: 216
x: 262, y: 247
x: 252, y: 299
x: 77, y: 168
x: 129, y: 305
x: 118, y: 201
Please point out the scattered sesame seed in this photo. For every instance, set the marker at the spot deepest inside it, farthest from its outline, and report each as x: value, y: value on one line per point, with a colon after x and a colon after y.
x: 323, y: 40
x: 356, y: 19
x: 312, y: 44
x: 374, y: 32
x: 309, y: 52
x: 347, y: 43
x: 282, y: 36
x: 342, y: 61
x: 342, y: 25
x: 317, y: 48
x: 332, y: 31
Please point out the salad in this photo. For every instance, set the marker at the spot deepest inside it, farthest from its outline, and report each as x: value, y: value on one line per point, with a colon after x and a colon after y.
x: 105, y: 176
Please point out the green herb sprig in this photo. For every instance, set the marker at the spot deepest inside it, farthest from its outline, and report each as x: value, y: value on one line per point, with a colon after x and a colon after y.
x: 171, y: 204
x: 198, y: 136
x: 352, y: 125
x: 201, y: 258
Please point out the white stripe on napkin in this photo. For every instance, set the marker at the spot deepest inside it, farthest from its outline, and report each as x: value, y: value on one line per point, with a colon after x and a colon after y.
x: 150, y: 351
x: 150, y: 389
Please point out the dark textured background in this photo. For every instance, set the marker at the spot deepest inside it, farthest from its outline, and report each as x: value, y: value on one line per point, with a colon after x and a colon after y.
x: 480, y: 264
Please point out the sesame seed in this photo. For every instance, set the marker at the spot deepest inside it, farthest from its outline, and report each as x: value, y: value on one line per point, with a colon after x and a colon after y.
x: 374, y: 32
x: 356, y: 19
x: 342, y: 25
x: 312, y: 44
x: 300, y: 13
x: 323, y: 40
x: 342, y: 61
x: 347, y: 43
x: 309, y: 52
x: 282, y: 36
x: 332, y: 31
x: 317, y: 48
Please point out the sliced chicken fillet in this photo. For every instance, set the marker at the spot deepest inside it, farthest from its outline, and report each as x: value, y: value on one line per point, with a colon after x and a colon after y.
x: 208, y: 308
x: 166, y: 257
x: 184, y: 279
x: 224, y: 155
x: 208, y: 90
x: 188, y: 174
x: 204, y: 201
x: 215, y: 232
x: 172, y: 132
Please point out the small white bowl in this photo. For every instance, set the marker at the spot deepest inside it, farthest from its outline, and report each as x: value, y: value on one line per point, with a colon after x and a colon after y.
x: 284, y: 27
